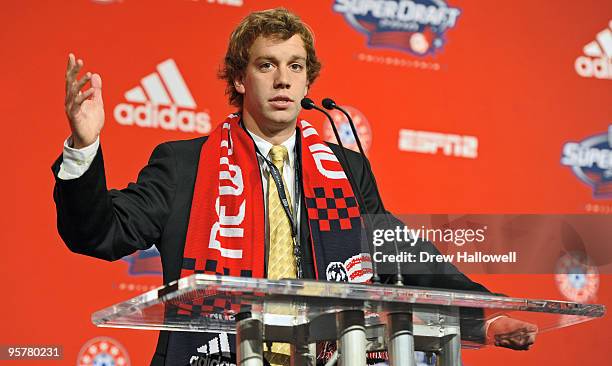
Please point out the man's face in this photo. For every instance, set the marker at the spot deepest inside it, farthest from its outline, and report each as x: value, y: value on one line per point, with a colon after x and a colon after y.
x: 274, y: 83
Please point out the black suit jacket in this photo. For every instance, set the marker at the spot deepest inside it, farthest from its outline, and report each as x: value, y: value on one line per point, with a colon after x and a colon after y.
x: 110, y: 224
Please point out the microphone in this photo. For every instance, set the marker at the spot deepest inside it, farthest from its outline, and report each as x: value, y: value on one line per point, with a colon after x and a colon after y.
x: 309, y: 104
x: 329, y: 104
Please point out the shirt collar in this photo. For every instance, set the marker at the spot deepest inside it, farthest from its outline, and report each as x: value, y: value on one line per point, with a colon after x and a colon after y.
x: 265, y: 146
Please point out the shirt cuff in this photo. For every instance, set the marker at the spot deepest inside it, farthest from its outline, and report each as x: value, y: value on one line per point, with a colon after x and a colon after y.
x: 490, y: 321
x: 75, y: 162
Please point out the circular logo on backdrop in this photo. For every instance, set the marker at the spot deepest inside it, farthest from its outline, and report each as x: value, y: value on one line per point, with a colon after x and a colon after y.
x: 344, y: 128
x: 103, y: 351
x: 577, y: 278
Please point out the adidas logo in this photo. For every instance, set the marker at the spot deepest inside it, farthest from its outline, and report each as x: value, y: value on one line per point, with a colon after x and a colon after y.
x: 162, y: 101
x: 219, y: 344
x: 216, y: 353
x: 597, y: 61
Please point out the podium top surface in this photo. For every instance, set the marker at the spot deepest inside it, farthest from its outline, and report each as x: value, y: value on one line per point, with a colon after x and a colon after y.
x: 211, y: 303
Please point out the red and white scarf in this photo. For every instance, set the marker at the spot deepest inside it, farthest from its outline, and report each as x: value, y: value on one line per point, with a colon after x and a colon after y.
x: 226, y: 226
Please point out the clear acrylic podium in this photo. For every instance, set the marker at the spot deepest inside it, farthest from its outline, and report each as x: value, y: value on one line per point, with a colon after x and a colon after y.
x: 360, y: 318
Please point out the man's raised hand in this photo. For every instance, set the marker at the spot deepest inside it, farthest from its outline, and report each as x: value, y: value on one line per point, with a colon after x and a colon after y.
x: 84, y: 109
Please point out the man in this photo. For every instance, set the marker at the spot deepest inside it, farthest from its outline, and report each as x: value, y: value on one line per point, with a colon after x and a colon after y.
x: 243, y: 201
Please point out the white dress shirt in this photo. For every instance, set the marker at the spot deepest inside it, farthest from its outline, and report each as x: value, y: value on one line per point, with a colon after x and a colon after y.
x: 288, y: 167
x: 75, y: 162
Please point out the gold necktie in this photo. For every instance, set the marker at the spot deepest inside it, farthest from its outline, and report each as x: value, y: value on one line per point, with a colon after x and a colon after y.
x: 281, y: 259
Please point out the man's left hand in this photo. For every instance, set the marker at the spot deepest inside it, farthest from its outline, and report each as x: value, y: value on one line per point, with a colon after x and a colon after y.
x: 511, y: 333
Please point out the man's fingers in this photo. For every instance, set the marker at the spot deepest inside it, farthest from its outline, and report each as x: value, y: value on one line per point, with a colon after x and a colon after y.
x: 513, y: 333
x: 84, y: 95
x: 73, y: 69
x: 521, y: 339
x: 96, y: 85
x: 83, y: 81
x: 531, y: 341
x: 69, y: 67
x: 71, y: 62
x: 78, y: 66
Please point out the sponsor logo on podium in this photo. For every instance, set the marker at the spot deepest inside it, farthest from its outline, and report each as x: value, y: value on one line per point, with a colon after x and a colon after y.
x: 417, y: 27
x: 103, y: 351
x: 591, y: 161
x: 162, y: 100
x: 216, y: 352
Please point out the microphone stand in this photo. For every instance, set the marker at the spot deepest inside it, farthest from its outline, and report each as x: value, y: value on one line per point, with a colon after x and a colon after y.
x: 329, y: 104
x: 309, y: 104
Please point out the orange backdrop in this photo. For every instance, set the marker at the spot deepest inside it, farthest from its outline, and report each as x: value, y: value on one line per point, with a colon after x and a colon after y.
x: 504, y: 76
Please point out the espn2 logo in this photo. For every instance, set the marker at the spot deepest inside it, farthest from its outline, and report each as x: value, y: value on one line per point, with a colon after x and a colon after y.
x: 426, y: 142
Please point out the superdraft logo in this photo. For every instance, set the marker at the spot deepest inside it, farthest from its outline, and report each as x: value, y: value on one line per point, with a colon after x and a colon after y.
x: 597, y: 59
x: 162, y: 100
x: 414, y: 26
x: 591, y: 161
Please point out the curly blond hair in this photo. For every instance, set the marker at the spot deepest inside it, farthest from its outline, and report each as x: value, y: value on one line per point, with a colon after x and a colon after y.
x: 276, y: 23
